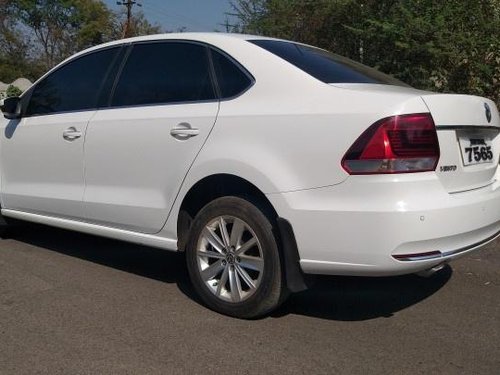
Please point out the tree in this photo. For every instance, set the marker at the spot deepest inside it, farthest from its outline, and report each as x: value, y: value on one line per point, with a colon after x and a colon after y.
x: 35, y: 35
x: 139, y: 25
x: 13, y: 46
x: 62, y: 27
x: 13, y: 91
x: 451, y: 45
x: 95, y: 24
x: 445, y: 46
x: 319, y: 22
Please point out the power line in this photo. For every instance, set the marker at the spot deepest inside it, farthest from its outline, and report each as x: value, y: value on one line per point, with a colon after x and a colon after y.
x: 227, y: 26
x: 129, y: 4
x: 168, y: 14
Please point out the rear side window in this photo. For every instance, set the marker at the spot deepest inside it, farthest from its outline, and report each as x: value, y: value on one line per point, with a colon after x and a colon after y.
x: 232, y: 80
x: 73, y: 87
x: 165, y: 72
x: 326, y: 66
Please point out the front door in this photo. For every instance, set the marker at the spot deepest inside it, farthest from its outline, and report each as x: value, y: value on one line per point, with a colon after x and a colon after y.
x: 42, y: 164
x: 42, y: 154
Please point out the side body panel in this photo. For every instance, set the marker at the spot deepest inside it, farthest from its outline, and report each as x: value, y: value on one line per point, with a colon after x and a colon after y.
x: 295, y: 144
x: 41, y: 171
x: 133, y: 165
x: 356, y: 227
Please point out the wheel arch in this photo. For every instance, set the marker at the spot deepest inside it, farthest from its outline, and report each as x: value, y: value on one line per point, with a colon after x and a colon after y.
x: 212, y: 187
x: 221, y: 185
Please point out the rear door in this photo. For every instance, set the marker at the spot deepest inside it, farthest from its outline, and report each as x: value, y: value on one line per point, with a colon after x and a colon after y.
x: 42, y: 154
x: 138, y: 151
x: 469, y: 138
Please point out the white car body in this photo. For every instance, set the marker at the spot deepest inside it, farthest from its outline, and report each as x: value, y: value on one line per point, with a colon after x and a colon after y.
x: 127, y: 177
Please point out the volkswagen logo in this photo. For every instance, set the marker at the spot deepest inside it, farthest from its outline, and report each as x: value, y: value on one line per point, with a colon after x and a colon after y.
x: 488, y: 112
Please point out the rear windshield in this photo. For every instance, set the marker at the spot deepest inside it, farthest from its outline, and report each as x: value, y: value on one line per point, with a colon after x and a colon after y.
x: 326, y: 66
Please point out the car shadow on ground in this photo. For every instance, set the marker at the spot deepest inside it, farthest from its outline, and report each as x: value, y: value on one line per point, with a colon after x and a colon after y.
x: 363, y: 298
x: 335, y: 298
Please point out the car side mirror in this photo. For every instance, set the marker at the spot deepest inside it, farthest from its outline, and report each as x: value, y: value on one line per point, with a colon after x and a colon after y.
x: 11, y: 108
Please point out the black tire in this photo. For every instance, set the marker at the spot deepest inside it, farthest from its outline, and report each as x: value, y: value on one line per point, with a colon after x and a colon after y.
x: 4, y: 227
x: 269, y: 292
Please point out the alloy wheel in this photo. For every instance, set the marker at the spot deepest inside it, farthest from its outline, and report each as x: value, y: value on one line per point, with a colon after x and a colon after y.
x: 230, y: 259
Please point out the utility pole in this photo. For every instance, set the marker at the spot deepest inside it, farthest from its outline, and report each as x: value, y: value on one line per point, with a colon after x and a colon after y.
x: 362, y: 41
x: 129, y: 4
x: 227, y: 26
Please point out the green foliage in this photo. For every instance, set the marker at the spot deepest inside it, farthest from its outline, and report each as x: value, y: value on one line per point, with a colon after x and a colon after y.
x: 445, y: 46
x: 62, y: 27
x: 448, y: 46
x: 13, y: 91
x: 139, y: 25
x: 95, y: 24
x: 35, y: 35
x: 13, y: 56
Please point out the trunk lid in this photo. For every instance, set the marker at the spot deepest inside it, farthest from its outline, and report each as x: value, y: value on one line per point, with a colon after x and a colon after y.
x: 468, y: 130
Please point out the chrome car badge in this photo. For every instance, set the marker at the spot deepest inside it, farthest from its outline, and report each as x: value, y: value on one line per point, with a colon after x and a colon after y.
x: 488, y: 112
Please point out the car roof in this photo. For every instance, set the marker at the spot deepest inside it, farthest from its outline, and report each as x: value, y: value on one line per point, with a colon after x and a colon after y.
x: 207, y: 37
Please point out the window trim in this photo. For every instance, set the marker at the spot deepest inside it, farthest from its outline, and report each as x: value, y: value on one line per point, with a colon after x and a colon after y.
x: 128, y: 46
x: 238, y: 65
x: 213, y: 75
x: 28, y: 94
x: 124, y: 52
x: 128, y: 49
x: 163, y: 41
x: 394, y: 81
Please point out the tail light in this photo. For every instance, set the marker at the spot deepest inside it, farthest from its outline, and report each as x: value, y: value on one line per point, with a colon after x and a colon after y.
x: 397, y: 144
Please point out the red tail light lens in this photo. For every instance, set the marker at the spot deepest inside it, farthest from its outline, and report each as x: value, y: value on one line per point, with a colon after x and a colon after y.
x: 398, y: 144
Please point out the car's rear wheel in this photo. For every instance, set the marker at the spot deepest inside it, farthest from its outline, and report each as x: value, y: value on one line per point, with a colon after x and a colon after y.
x: 233, y: 259
x: 5, y: 227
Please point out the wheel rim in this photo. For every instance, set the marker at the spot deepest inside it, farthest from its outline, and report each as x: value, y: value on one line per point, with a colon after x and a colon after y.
x: 230, y: 259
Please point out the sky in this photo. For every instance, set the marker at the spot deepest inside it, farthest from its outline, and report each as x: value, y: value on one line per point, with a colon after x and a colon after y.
x: 194, y: 15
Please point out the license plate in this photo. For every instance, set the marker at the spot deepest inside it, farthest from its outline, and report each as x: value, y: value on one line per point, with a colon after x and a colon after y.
x: 476, y: 150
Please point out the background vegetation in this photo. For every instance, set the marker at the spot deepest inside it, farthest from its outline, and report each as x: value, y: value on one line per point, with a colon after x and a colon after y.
x: 442, y: 45
x: 35, y: 35
x: 13, y: 91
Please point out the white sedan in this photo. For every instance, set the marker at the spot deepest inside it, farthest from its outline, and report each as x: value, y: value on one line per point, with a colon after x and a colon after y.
x: 262, y: 159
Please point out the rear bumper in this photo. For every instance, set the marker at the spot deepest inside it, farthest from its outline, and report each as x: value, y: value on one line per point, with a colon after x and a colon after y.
x: 447, y: 255
x: 388, y: 225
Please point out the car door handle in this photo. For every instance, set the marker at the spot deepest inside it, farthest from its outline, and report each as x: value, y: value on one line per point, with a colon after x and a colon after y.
x: 71, y: 134
x: 184, y: 131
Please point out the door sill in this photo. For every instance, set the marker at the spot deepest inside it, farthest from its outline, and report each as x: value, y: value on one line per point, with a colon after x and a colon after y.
x: 97, y: 230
